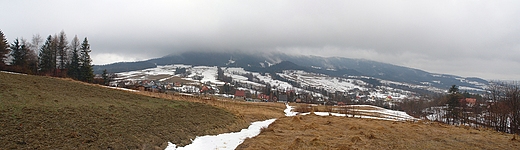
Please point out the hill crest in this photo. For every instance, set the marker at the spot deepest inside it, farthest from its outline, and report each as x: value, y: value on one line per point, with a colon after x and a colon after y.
x: 332, y: 66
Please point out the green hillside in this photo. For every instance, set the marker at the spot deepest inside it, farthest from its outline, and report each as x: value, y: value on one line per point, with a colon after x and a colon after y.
x: 48, y: 113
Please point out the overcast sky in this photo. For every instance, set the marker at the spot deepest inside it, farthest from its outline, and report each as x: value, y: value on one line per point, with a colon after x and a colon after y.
x: 466, y: 38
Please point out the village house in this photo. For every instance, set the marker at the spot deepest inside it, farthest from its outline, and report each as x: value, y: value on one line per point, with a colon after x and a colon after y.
x: 240, y: 94
x: 470, y: 102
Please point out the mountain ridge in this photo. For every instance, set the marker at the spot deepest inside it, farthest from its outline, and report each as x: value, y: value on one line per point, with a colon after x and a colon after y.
x: 332, y: 66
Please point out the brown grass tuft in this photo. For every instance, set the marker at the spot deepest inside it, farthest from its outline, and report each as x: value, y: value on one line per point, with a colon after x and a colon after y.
x: 296, y: 118
x: 310, y: 126
x: 317, y: 142
x: 370, y: 136
x: 266, y: 129
x: 355, y: 128
x: 354, y: 133
x: 297, y: 144
x: 355, y: 139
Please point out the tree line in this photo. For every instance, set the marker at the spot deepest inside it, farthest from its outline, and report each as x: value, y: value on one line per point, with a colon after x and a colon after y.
x: 498, y: 107
x: 55, y: 57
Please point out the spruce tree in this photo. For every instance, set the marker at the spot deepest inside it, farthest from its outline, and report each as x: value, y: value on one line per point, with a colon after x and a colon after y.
x: 73, y: 68
x: 62, y: 50
x: 86, y: 70
x: 453, y: 111
x: 47, y: 62
x: 54, y: 50
x: 18, y: 53
x: 106, y: 77
x: 4, y: 50
x: 22, y: 56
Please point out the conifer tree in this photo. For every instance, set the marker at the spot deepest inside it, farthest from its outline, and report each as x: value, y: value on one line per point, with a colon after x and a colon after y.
x: 4, y: 50
x: 54, y: 50
x: 22, y: 56
x: 19, y: 53
x: 62, y: 50
x: 86, y: 70
x: 106, y: 77
x: 73, y: 67
x: 47, y: 62
x: 453, y: 110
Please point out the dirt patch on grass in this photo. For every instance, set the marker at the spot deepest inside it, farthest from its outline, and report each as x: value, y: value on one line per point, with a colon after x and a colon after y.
x: 316, y: 132
x: 48, y: 113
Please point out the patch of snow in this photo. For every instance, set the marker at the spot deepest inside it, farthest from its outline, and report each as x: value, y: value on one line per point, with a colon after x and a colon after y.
x: 230, y: 61
x: 436, y: 75
x: 268, y: 63
x: 182, y: 66
x: 469, y: 88
x: 13, y: 73
x: 425, y: 83
x: 224, y: 141
x: 288, y: 111
x: 385, y: 114
x: 124, y: 89
x: 209, y: 74
x: 166, y: 78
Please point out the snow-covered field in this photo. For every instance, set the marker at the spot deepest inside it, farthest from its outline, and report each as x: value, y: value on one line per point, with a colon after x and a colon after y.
x: 331, y: 84
x: 208, y: 75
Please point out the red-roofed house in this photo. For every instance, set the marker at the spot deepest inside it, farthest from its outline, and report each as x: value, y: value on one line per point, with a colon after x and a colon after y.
x: 240, y: 94
x: 468, y: 101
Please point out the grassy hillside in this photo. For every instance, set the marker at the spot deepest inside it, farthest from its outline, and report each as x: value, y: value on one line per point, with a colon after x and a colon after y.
x: 341, y: 133
x: 47, y: 113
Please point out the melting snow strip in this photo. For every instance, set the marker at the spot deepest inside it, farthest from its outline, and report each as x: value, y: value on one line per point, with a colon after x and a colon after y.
x: 390, y: 115
x: 224, y: 141
x: 229, y: 140
x: 13, y: 73
x: 118, y: 88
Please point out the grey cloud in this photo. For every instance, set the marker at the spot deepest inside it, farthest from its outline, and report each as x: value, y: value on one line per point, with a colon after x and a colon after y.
x: 430, y: 35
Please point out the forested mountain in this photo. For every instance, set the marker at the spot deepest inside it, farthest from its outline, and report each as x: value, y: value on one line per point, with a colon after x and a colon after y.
x: 332, y: 66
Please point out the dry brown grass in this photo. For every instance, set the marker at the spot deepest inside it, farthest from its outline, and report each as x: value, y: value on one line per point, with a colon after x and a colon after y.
x: 316, y: 132
x: 50, y: 113
x: 300, y: 107
x: 249, y: 111
x: 36, y: 112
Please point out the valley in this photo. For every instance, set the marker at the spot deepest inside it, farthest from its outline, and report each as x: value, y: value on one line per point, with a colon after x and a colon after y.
x: 100, y: 117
